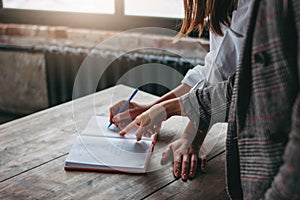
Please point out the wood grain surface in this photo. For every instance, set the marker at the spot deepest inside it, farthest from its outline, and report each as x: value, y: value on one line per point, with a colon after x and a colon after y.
x: 33, y: 150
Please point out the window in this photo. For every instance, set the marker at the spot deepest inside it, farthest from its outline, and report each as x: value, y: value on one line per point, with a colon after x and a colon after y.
x: 86, y: 6
x: 95, y: 14
x: 155, y: 8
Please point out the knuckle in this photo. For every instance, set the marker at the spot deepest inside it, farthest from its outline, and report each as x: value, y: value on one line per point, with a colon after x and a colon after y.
x: 178, y: 162
x: 186, y: 162
x: 194, y: 162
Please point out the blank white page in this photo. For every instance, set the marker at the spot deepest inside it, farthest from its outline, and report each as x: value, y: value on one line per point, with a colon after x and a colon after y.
x: 98, y: 126
x: 118, y: 153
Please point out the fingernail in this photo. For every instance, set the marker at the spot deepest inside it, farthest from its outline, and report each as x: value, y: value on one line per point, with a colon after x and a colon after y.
x: 122, y: 133
x: 191, y: 174
x: 203, y: 169
x: 177, y: 173
x: 184, y: 177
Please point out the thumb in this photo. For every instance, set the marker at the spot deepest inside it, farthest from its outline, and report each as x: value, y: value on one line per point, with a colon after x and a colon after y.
x: 166, y: 155
x: 203, y: 164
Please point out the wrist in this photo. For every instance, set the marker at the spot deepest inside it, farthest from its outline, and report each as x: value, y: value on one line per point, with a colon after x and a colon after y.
x: 172, y: 107
x: 147, y: 106
x: 189, y: 131
x: 157, y: 113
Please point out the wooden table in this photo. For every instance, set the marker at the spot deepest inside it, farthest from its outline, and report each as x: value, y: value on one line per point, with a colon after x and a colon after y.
x: 33, y: 150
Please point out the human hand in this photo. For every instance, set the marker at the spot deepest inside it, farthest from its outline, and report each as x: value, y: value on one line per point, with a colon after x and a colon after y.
x: 147, y: 123
x: 184, y: 152
x: 122, y: 119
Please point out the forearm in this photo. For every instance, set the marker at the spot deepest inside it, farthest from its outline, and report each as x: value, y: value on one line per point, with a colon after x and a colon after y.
x: 171, y: 107
x: 209, y: 105
x: 168, y: 105
x: 177, y: 92
x: 194, y: 135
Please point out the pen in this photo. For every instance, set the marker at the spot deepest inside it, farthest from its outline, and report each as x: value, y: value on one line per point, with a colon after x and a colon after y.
x: 126, y: 104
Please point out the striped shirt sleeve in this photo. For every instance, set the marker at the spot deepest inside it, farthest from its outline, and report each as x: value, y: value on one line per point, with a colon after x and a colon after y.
x: 208, y: 106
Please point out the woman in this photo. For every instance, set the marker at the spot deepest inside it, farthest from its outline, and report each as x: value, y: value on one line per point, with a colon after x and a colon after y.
x: 263, y: 106
x: 227, y: 21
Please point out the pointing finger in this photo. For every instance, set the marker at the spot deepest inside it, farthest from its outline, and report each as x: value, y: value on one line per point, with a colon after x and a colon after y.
x: 128, y: 128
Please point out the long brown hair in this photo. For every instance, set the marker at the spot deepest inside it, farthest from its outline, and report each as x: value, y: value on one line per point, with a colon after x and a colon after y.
x: 214, y: 13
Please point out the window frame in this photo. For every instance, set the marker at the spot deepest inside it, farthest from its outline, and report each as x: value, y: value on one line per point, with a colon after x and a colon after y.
x: 115, y: 22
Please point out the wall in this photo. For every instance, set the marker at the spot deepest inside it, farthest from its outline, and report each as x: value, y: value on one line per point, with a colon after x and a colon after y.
x: 24, y: 50
x: 22, y: 82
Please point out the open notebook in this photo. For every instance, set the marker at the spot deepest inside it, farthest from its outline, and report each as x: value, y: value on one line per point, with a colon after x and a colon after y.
x: 98, y: 148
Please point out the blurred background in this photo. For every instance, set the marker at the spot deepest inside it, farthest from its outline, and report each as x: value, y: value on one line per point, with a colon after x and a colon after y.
x: 43, y: 44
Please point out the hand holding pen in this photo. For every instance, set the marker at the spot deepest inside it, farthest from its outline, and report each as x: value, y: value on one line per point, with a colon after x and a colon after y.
x: 117, y: 114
